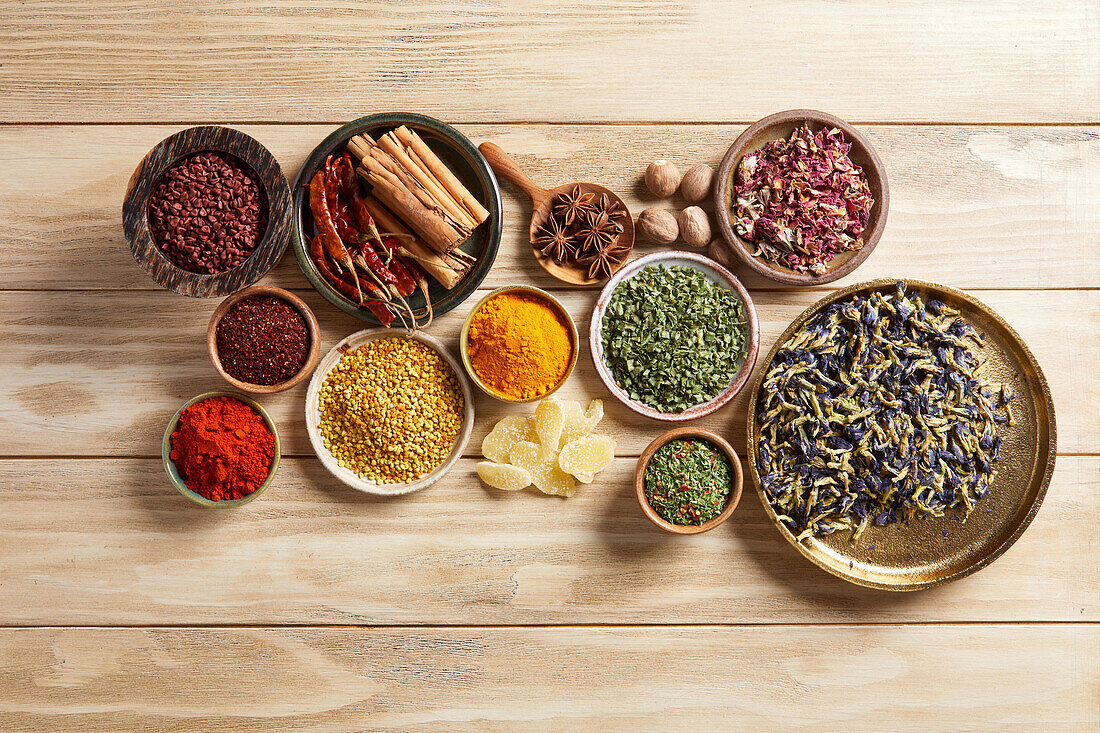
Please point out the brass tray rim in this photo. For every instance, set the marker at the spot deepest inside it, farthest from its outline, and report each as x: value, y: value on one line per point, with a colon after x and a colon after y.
x: 970, y: 300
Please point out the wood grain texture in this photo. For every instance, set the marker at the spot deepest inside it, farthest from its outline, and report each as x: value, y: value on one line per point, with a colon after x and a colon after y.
x: 99, y: 374
x: 110, y: 542
x: 971, y: 207
x: 655, y: 60
x: 576, y: 679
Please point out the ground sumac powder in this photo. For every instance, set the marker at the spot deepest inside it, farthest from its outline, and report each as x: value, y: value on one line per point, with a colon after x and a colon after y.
x: 208, y: 213
x: 262, y: 340
x: 222, y: 448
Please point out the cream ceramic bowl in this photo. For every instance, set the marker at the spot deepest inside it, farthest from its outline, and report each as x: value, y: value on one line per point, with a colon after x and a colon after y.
x: 714, y: 272
x: 313, y: 413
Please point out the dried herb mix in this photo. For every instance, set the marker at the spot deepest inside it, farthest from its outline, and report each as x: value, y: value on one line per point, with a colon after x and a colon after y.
x: 672, y: 338
x: 802, y: 200
x: 688, y: 481
x: 877, y: 410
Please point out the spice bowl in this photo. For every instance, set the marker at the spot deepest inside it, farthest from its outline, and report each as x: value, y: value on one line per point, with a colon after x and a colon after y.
x: 275, y: 198
x: 687, y: 433
x: 558, y: 308
x: 464, y: 161
x: 780, y: 126
x: 716, y: 274
x: 170, y: 466
x: 313, y: 413
x: 299, y: 305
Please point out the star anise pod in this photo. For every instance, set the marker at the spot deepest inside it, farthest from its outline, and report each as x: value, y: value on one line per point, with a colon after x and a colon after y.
x: 603, y: 261
x: 554, y: 241
x: 612, y: 208
x: 572, y: 206
x: 597, y: 231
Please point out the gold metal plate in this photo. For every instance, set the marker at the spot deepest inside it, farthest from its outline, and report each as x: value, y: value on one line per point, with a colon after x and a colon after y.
x: 899, y: 557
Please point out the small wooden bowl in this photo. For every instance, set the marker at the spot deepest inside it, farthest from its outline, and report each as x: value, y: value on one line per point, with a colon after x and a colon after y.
x: 686, y: 433
x: 463, y: 342
x: 780, y: 126
x: 313, y: 413
x: 543, y: 202
x: 299, y: 305
x: 147, y: 175
x: 170, y: 466
x: 717, y: 274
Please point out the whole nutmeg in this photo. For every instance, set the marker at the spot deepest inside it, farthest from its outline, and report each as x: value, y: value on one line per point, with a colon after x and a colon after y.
x: 662, y: 178
x: 694, y: 226
x: 659, y: 226
x: 697, y: 183
x: 719, y: 251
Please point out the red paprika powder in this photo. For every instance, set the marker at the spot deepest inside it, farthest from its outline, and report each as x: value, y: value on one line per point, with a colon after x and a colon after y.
x: 222, y: 448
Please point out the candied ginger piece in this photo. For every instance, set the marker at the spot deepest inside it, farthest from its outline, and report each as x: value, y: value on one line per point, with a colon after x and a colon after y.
x: 543, y: 467
x: 498, y: 443
x: 549, y: 419
x: 525, y: 454
x: 587, y: 456
x: 550, y: 479
x: 585, y: 478
x: 578, y: 425
x: 504, y: 476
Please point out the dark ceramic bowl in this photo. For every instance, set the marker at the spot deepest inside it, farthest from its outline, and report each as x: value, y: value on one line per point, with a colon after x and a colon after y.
x: 459, y: 154
x: 780, y: 126
x: 168, y: 152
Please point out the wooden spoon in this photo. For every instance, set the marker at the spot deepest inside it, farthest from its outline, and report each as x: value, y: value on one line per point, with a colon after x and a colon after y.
x: 543, y: 202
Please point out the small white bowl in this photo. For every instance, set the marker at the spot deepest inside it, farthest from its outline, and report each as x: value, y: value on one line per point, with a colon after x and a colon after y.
x: 717, y: 274
x: 313, y: 413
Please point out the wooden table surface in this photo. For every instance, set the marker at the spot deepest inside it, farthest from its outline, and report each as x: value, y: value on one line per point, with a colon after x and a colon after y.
x: 122, y: 607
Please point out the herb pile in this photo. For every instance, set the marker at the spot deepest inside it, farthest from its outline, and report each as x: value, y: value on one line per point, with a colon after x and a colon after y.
x: 877, y: 410
x: 802, y: 200
x: 672, y: 338
x: 688, y: 481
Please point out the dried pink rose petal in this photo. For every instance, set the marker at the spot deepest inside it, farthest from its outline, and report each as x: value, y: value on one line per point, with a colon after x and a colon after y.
x: 802, y: 200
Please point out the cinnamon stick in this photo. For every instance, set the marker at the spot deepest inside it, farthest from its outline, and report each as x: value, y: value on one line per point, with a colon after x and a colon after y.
x: 436, y: 266
x: 393, y: 146
x: 442, y: 173
x: 440, y: 235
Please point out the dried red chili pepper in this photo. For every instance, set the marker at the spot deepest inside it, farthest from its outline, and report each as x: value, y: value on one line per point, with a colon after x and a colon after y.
x: 382, y: 311
x: 326, y: 229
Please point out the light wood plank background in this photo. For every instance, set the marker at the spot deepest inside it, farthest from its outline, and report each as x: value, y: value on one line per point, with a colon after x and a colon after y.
x: 122, y: 607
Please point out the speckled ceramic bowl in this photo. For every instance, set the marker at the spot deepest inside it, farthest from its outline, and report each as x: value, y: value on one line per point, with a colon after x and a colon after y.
x: 170, y: 466
x: 716, y: 273
x: 313, y: 413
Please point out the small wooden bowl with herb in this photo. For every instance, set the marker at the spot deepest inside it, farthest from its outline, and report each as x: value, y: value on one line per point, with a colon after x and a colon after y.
x: 851, y: 207
x: 688, y: 481
x: 263, y: 340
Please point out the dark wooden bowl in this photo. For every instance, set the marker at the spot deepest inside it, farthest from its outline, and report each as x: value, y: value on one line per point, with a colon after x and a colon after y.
x: 459, y: 154
x: 737, y: 480
x: 299, y: 305
x: 167, y: 152
x: 781, y: 125
x: 542, y: 201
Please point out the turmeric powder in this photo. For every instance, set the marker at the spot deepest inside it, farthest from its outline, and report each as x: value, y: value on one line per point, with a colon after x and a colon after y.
x: 520, y: 345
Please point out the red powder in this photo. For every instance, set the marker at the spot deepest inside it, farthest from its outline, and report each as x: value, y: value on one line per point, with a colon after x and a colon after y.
x: 222, y: 448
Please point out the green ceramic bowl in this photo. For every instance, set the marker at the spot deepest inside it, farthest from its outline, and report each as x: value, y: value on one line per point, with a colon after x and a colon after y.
x: 170, y: 466
x: 464, y: 160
